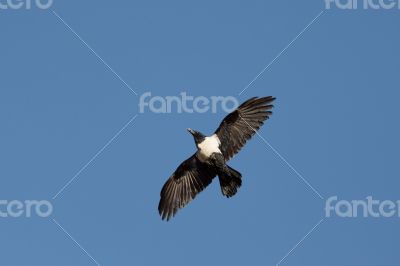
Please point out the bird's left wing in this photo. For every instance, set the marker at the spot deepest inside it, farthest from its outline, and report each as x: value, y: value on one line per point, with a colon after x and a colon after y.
x: 240, y: 125
x: 189, y: 179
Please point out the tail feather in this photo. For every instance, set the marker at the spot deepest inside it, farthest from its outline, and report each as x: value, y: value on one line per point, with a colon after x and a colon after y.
x: 230, y: 181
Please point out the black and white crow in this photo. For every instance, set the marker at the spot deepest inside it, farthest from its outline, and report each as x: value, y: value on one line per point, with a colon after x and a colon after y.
x: 213, y: 152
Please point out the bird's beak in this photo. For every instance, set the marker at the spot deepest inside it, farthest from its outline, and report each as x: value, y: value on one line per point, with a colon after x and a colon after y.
x: 191, y: 131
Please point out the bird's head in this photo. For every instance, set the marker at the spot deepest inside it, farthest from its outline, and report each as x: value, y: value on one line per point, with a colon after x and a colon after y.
x: 198, y: 136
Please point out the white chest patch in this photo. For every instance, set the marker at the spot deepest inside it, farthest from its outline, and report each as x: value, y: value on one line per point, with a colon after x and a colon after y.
x: 208, y: 147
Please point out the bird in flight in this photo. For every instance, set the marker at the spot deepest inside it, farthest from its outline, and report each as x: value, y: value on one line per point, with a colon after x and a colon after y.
x: 213, y: 153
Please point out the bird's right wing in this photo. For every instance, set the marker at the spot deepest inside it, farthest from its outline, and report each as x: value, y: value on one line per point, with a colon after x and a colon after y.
x: 189, y: 179
x: 240, y: 125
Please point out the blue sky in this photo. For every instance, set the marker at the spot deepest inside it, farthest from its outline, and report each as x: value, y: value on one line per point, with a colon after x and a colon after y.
x: 63, y: 108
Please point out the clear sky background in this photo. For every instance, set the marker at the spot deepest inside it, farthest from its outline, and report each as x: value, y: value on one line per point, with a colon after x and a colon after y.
x: 335, y: 122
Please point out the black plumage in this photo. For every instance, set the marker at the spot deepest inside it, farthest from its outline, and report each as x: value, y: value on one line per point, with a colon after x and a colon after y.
x: 189, y: 179
x: 240, y: 125
x: 197, y: 172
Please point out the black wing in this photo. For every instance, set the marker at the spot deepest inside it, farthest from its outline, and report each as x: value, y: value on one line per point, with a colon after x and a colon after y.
x: 240, y: 125
x: 189, y: 179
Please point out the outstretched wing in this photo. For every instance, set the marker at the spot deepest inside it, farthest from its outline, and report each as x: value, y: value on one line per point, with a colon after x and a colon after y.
x: 189, y: 179
x: 240, y: 125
